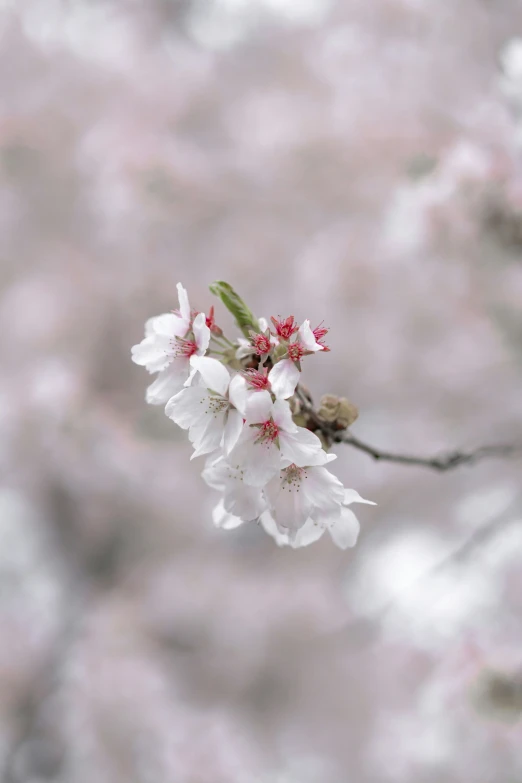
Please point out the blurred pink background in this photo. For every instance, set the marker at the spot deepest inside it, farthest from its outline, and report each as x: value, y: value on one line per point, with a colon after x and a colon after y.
x: 357, y: 162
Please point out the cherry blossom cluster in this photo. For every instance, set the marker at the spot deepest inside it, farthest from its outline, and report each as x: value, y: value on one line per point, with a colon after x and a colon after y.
x: 236, y: 401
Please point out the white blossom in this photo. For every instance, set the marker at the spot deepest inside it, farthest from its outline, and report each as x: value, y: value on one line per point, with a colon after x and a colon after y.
x: 211, y: 411
x: 343, y: 528
x: 170, y: 340
x: 270, y: 436
x: 236, y: 409
x: 301, y: 493
x: 240, y: 499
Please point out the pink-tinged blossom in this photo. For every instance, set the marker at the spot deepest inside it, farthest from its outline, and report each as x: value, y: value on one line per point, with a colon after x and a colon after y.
x: 270, y: 436
x: 261, y: 380
x: 284, y: 376
x: 257, y: 380
x: 246, y: 347
x: 261, y: 344
x: 170, y: 341
x: 284, y: 328
x: 320, y: 333
x: 212, y: 409
x: 239, y: 499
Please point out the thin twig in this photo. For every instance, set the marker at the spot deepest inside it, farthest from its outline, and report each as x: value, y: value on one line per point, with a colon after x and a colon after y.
x: 440, y: 462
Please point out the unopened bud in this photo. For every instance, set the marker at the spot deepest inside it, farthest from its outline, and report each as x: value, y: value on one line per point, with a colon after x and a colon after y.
x: 339, y: 412
x: 329, y: 408
x: 347, y: 414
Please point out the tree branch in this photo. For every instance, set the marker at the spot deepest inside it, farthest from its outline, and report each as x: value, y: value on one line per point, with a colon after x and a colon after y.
x: 440, y: 462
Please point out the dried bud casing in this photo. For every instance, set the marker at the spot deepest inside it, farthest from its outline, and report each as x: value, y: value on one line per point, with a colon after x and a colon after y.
x: 339, y: 412
x: 348, y: 413
x: 329, y: 408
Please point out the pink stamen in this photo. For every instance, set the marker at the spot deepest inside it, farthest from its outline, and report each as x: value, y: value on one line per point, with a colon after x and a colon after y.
x: 268, y: 432
x: 319, y: 333
x: 285, y: 329
x: 185, y: 348
x: 295, y: 351
x: 211, y: 323
x: 257, y: 380
x: 262, y: 344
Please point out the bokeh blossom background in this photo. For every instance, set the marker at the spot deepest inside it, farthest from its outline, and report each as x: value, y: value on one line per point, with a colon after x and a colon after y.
x: 356, y: 161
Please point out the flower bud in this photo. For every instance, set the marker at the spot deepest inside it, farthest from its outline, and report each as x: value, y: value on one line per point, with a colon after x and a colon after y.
x: 337, y: 411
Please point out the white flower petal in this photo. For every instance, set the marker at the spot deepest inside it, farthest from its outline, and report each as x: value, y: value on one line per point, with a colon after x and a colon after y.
x: 201, y: 333
x: 270, y: 527
x: 214, y: 374
x: 302, y: 448
x: 223, y: 519
x: 258, y: 407
x: 351, y: 496
x: 307, y: 338
x: 323, y: 489
x: 185, y: 407
x: 167, y: 325
x: 233, y: 428
x: 245, y: 501
x: 345, y: 530
x: 215, y: 472
x: 237, y: 393
x: 258, y: 461
x: 184, y: 306
x: 284, y: 377
x: 209, y: 438
x: 168, y: 383
x: 282, y: 416
x: 153, y: 353
x: 289, y: 506
x: 308, y: 534
x: 240, y: 499
x: 245, y: 348
x: 192, y: 374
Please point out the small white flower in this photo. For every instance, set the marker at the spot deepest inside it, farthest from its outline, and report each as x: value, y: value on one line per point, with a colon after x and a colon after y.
x: 301, y: 493
x: 154, y: 351
x: 211, y: 411
x: 343, y: 528
x: 270, y: 436
x: 239, y: 499
x: 168, y: 346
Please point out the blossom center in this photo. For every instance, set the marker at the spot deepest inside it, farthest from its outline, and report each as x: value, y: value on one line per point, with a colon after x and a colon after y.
x: 268, y: 432
x: 320, y: 333
x: 292, y: 476
x: 216, y: 405
x: 262, y: 344
x: 285, y: 329
x: 186, y: 348
x: 295, y: 351
x: 257, y: 380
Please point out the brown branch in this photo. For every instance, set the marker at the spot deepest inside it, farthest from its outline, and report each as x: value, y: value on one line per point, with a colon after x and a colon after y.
x: 440, y: 462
